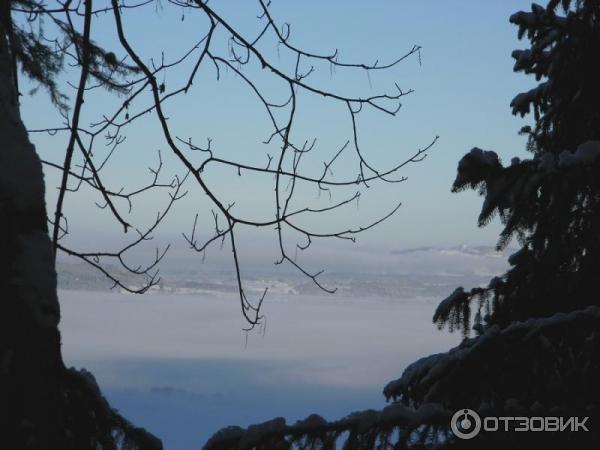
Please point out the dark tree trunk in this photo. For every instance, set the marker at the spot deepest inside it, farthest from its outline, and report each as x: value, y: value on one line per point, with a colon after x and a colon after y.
x: 30, y: 357
x: 43, y: 405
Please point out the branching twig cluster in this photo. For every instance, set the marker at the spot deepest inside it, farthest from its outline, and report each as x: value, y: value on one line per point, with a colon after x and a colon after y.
x: 132, y: 78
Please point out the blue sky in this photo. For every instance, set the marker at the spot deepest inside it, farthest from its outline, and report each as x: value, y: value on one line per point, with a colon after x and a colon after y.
x: 462, y: 93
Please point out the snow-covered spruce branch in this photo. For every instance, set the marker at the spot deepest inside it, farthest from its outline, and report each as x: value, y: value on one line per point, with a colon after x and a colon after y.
x: 557, y: 348
x: 395, y: 426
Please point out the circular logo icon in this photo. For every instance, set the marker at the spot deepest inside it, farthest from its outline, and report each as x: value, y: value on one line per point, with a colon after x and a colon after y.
x: 465, y: 423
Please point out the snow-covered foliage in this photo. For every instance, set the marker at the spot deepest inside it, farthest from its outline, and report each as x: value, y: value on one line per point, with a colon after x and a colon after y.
x: 465, y: 373
x: 96, y: 424
x: 586, y: 154
x: 457, y: 301
x: 522, y: 102
x: 395, y: 424
x: 563, y: 51
x: 476, y: 161
x: 551, y: 202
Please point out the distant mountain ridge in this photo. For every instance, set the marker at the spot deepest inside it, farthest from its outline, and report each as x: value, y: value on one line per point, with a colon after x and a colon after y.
x: 418, y: 272
x: 479, y: 250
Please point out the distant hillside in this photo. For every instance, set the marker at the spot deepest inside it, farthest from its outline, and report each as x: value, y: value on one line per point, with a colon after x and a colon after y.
x: 431, y: 272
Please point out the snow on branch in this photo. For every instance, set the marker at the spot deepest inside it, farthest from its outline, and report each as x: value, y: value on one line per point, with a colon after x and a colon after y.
x: 395, y: 424
x: 468, y: 373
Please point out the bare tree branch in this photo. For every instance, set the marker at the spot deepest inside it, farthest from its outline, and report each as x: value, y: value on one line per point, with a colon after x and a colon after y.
x: 142, y: 95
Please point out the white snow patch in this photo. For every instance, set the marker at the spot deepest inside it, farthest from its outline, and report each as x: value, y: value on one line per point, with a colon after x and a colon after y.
x: 586, y: 154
